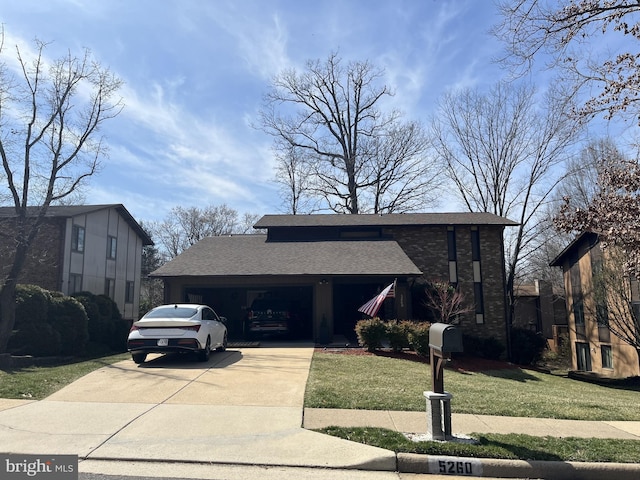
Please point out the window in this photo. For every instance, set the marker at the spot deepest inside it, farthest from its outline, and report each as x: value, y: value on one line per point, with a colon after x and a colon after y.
x: 207, y: 314
x: 453, y: 255
x: 75, y: 283
x: 479, y: 302
x: 77, y: 238
x: 578, y: 310
x: 129, y: 292
x: 110, y: 287
x: 475, y: 244
x: 607, y: 356
x: 477, y: 275
x: 451, y: 244
x: 112, y: 243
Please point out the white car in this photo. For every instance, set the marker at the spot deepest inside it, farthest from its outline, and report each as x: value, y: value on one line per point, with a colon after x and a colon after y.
x: 178, y: 328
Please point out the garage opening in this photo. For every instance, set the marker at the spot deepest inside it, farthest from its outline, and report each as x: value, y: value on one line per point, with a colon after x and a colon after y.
x: 247, y: 305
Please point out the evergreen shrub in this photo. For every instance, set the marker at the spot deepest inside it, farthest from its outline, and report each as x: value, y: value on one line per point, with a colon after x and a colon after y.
x: 371, y: 333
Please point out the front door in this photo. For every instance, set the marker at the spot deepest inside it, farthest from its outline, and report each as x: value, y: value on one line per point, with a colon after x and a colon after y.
x: 583, y: 356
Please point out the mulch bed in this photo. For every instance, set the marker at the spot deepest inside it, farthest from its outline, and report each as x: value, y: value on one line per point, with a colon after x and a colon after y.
x: 460, y: 364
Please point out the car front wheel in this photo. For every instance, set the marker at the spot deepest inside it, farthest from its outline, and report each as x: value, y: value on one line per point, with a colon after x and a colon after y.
x: 139, y: 357
x: 203, y: 355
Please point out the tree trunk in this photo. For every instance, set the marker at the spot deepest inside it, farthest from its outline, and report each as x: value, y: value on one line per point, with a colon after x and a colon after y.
x: 8, y: 295
x: 7, y: 313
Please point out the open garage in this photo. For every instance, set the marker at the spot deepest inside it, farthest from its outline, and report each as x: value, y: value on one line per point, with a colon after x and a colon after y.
x: 235, y: 304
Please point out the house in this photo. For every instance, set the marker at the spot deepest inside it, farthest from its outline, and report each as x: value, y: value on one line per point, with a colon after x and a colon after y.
x: 594, y: 348
x: 329, y: 265
x: 95, y: 248
x: 541, y: 308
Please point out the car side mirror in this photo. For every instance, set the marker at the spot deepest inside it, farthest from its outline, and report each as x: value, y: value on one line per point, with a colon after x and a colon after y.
x: 223, y: 320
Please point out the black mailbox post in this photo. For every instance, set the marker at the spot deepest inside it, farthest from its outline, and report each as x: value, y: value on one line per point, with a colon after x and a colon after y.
x: 444, y: 339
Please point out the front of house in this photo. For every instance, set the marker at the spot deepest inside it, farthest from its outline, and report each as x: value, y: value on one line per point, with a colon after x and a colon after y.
x: 330, y: 265
x: 95, y: 248
x: 594, y: 348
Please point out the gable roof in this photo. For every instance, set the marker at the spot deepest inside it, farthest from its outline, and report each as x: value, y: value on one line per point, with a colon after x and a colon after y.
x: 382, y: 220
x: 241, y: 255
x: 68, y: 211
x: 590, y: 237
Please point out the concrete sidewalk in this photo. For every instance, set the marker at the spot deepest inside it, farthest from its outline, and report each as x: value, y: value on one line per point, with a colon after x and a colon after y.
x: 245, y: 407
x: 416, y: 422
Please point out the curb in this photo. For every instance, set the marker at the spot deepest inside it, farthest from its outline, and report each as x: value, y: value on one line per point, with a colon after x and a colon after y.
x: 486, y: 467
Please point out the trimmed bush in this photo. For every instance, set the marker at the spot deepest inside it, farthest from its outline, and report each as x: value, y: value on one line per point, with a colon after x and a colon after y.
x: 419, y: 338
x: 371, y: 333
x: 51, y: 324
x: 96, y: 327
x: 68, y: 317
x: 527, y: 347
x: 489, y: 348
x: 398, y: 334
x: 32, y: 305
x: 118, y: 334
x: 39, y: 339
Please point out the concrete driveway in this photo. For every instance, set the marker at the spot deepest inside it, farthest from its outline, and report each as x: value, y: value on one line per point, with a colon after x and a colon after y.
x: 242, y: 406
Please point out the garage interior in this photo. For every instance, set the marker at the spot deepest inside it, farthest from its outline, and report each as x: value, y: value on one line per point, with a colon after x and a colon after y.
x: 309, y: 303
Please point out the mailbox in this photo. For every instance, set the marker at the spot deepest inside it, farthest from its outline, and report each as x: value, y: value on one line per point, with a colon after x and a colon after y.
x: 444, y: 338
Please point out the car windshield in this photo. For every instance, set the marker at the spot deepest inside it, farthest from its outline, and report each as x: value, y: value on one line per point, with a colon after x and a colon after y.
x: 172, y: 312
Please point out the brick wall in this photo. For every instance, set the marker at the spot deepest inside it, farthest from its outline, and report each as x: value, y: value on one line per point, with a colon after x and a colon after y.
x: 427, y: 248
x: 42, y: 266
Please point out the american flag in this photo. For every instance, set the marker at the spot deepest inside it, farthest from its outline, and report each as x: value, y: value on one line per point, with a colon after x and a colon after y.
x: 372, y: 306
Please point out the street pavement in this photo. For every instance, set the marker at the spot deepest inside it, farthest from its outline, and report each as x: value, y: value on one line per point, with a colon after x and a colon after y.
x: 243, y: 409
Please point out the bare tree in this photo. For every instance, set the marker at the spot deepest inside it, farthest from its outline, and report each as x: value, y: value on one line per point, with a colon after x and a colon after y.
x: 327, y: 120
x: 50, y: 114
x: 184, y: 227
x: 569, y: 34
x: 446, y: 301
x: 151, y: 289
x: 401, y: 179
x: 502, y: 153
x: 580, y: 184
x: 294, y: 180
x: 613, y: 213
x: 578, y: 187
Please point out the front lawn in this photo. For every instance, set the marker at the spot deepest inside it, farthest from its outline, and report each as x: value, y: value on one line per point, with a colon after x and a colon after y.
x: 37, y: 383
x: 512, y: 446
x: 382, y: 383
x: 374, y: 382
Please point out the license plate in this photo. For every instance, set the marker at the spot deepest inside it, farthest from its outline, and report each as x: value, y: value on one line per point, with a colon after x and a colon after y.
x: 163, y: 342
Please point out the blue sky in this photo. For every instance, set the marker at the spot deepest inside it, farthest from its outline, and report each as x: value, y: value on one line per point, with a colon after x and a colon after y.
x: 195, y: 73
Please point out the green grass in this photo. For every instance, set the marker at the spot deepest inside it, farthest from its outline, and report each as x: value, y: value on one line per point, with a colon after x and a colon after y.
x: 39, y: 382
x: 380, y: 383
x: 512, y: 446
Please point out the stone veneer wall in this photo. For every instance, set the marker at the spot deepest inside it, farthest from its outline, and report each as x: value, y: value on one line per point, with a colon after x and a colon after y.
x: 427, y: 248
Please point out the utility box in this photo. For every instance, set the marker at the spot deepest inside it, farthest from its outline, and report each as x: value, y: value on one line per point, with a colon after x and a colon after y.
x: 445, y: 338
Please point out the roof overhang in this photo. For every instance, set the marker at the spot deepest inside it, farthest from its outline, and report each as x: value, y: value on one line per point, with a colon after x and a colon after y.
x: 254, y: 255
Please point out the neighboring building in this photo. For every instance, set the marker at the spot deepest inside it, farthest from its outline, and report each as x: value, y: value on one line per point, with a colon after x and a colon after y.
x: 329, y: 265
x: 541, y: 308
x: 95, y: 248
x: 593, y: 347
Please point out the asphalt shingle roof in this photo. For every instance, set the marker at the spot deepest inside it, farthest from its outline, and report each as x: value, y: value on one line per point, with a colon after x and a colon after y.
x: 389, y: 219
x: 67, y: 211
x: 241, y: 255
